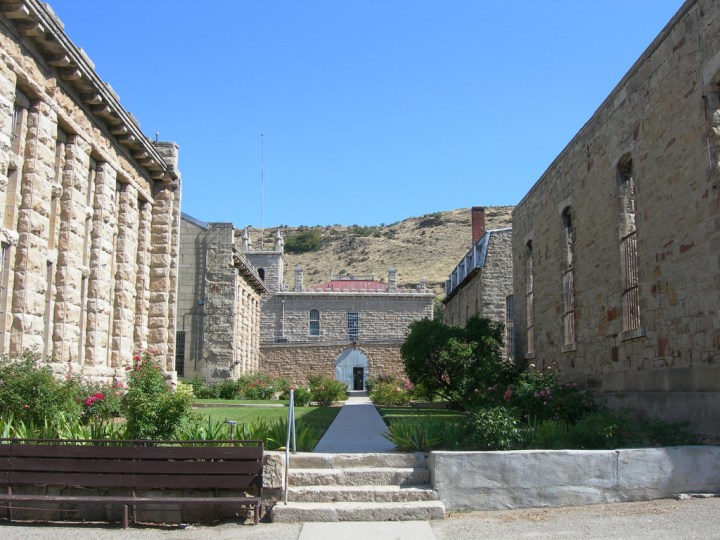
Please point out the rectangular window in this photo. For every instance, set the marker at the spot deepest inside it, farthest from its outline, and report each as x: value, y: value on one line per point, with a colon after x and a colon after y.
x: 180, y: 353
x: 353, y: 322
x: 509, y: 325
x: 314, y: 322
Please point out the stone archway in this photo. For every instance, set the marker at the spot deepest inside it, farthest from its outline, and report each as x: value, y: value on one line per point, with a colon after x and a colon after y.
x: 352, y: 368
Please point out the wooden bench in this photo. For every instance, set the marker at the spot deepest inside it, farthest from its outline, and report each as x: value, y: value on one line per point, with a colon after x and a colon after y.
x: 130, y: 474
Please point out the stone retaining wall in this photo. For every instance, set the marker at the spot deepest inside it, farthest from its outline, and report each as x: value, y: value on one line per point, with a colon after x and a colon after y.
x: 542, y: 478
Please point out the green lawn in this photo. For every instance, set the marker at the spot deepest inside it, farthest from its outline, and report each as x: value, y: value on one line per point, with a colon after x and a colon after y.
x: 240, y: 402
x: 395, y: 413
x: 318, y: 418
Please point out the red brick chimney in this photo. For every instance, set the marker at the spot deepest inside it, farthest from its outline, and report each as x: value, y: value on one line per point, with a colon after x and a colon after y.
x: 478, y: 223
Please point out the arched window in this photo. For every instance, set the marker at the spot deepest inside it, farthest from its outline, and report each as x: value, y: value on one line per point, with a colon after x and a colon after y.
x: 314, y: 322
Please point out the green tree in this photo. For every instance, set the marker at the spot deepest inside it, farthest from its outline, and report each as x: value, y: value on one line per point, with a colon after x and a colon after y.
x: 463, y: 366
x: 304, y: 241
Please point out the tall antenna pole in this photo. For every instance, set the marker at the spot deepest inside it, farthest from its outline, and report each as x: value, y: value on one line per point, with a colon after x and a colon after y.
x: 262, y: 190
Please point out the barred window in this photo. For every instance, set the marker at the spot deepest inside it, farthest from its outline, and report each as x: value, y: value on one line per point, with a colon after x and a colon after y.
x: 353, y: 324
x: 530, y: 328
x: 568, y: 279
x: 628, y: 246
x: 314, y: 322
x: 180, y: 353
x: 509, y: 325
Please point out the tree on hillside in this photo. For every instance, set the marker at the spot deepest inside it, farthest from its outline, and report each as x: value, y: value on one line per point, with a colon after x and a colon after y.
x: 304, y: 241
x: 463, y: 366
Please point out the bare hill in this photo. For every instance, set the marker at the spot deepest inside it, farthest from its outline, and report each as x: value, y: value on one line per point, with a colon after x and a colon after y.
x: 426, y: 247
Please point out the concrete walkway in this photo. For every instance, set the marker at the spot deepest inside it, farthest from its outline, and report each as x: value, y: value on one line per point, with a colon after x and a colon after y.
x: 357, y: 428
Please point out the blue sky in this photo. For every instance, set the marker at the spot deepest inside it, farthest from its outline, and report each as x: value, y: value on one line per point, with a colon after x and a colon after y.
x: 371, y: 111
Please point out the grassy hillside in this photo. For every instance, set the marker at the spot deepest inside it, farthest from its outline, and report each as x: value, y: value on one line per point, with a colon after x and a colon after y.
x: 426, y: 247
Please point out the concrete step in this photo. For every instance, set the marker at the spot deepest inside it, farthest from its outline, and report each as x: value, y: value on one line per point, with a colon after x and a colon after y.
x: 311, y: 460
x: 361, y: 494
x: 295, y: 512
x: 360, y: 476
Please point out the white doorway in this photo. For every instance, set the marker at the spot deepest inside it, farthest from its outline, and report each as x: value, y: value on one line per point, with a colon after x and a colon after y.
x: 351, y: 368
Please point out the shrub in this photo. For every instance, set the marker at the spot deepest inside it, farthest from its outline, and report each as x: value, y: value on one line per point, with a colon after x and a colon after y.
x: 496, y: 428
x: 601, y: 430
x: 227, y: 389
x: 202, y: 390
x: 390, y: 391
x: 30, y: 393
x: 539, y: 396
x: 549, y: 435
x: 257, y: 386
x: 302, y: 396
x: 102, y: 404
x: 461, y: 365
x: 152, y: 409
x: 659, y: 433
x: 325, y: 391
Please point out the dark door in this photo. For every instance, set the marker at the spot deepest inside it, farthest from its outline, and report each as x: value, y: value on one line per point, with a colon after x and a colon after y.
x: 358, y: 373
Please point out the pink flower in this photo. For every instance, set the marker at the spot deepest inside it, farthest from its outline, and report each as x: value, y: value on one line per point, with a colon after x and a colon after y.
x: 26, y: 406
x: 508, y: 393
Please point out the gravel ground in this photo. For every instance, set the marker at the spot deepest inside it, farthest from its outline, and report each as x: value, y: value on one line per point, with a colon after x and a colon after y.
x: 666, y: 518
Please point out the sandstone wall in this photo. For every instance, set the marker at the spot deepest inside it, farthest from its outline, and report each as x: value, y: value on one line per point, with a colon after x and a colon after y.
x: 298, y: 361
x: 88, y: 209
x: 485, y: 291
x: 381, y: 316
x: 663, y: 120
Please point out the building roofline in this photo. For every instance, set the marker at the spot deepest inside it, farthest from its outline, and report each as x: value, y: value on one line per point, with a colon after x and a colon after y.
x: 481, y: 249
x: 37, y: 22
x: 194, y: 221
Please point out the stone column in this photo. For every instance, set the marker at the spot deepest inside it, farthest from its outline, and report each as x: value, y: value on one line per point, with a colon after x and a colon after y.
x: 99, y: 299
x: 164, y: 260
x: 142, y: 285
x: 71, y: 241
x: 125, y: 276
x: 160, y: 271
x: 174, y: 261
x: 30, y: 280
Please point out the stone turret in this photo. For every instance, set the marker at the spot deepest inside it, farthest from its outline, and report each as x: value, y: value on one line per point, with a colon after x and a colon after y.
x: 246, y: 242
x: 392, y: 280
x: 299, y: 287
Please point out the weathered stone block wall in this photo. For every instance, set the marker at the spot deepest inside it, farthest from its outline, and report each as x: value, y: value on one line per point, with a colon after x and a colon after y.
x: 219, y: 308
x: 298, y: 361
x: 485, y: 292
x: 82, y: 201
x: 382, y: 316
x: 663, y: 116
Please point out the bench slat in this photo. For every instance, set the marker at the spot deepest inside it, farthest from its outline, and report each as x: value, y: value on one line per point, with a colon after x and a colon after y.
x: 164, y: 453
x: 131, y: 467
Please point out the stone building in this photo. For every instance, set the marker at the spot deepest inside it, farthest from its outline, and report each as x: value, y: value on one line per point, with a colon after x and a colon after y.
x: 349, y: 328
x: 89, y: 208
x: 482, y: 283
x: 218, y: 331
x: 617, y: 246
